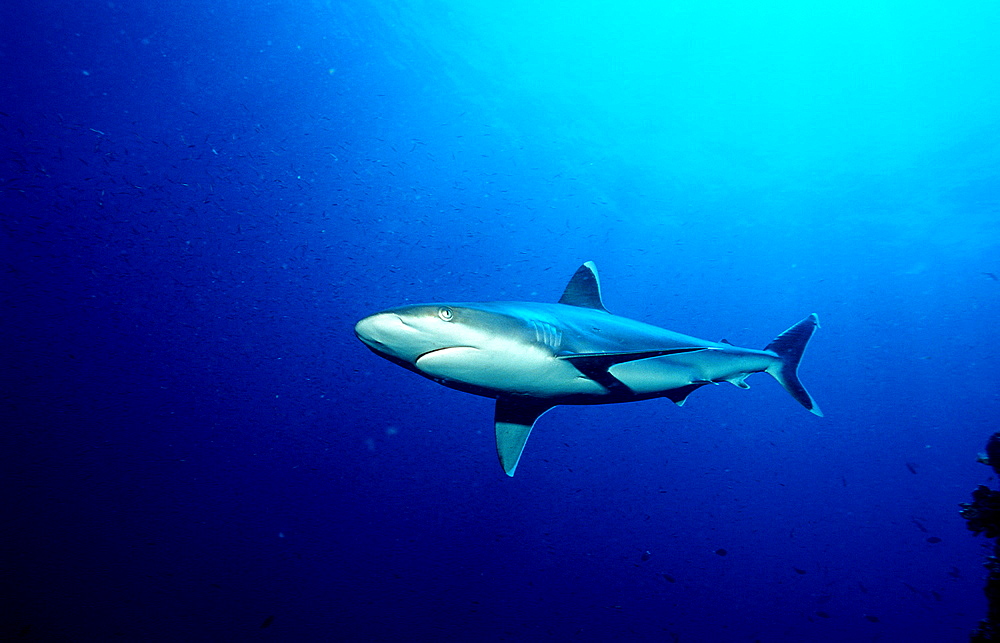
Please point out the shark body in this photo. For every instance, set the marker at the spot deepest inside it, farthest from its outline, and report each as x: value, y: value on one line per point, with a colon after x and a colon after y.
x: 531, y: 356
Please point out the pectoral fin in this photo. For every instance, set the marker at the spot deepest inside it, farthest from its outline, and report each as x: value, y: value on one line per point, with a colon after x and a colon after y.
x: 514, y: 418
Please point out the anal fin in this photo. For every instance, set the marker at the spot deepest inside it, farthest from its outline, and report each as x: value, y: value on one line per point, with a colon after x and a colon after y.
x: 514, y: 419
x: 680, y: 394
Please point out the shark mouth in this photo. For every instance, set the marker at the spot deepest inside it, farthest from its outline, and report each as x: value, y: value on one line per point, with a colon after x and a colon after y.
x: 438, y: 351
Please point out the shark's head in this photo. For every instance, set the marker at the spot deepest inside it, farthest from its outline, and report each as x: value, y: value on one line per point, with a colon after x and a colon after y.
x: 411, y: 332
x: 477, y: 345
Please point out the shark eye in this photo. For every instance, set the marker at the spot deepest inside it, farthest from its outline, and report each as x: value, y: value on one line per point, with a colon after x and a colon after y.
x: 445, y: 313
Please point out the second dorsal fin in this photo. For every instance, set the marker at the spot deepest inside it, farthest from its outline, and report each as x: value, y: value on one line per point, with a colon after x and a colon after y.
x: 584, y: 289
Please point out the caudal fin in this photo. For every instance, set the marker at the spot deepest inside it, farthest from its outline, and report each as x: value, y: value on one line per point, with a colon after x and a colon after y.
x: 789, y: 346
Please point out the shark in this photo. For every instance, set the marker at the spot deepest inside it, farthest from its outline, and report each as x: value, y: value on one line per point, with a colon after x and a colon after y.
x: 533, y: 356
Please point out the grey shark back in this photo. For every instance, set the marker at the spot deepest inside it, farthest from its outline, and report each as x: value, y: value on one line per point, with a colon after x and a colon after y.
x: 534, y: 356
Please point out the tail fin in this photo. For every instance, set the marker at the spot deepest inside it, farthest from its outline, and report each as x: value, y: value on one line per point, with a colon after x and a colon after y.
x: 789, y: 346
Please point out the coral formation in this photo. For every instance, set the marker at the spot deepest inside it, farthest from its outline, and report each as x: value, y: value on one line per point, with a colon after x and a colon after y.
x: 982, y: 516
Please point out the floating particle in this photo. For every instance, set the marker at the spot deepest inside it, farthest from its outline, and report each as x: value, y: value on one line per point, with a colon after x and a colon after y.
x: 721, y: 552
x: 669, y: 578
x: 933, y: 540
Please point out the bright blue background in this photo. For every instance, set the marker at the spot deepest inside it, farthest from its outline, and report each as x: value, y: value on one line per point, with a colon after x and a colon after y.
x: 200, y: 199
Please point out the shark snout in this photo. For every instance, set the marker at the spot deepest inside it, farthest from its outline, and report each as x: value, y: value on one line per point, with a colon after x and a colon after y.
x: 388, y: 333
x: 377, y: 330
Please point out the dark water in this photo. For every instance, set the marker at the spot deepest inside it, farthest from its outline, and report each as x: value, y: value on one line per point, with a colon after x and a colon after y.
x: 200, y: 199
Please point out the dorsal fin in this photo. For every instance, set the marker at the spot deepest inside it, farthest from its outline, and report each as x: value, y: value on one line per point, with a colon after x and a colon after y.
x: 584, y: 289
x: 726, y: 341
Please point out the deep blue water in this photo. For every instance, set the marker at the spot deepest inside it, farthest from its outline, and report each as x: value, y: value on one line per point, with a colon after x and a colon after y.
x: 201, y: 199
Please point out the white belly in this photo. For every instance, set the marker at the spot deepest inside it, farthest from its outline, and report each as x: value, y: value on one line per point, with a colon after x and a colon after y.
x: 655, y: 375
x: 511, y: 369
x: 665, y: 373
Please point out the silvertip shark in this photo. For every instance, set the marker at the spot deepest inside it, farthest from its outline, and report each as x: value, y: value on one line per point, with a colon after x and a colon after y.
x: 534, y: 356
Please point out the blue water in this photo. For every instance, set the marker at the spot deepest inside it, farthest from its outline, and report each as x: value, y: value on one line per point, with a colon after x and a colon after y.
x: 201, y: 199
